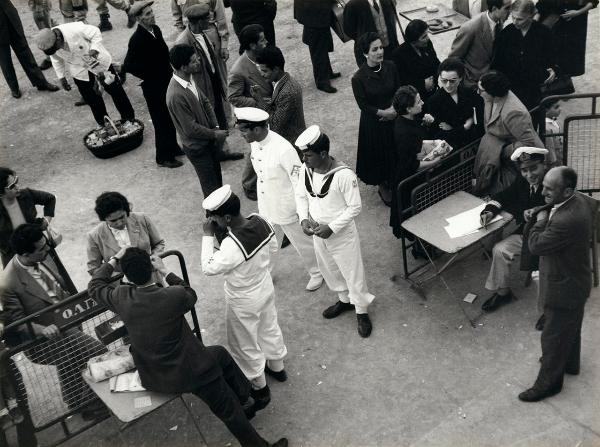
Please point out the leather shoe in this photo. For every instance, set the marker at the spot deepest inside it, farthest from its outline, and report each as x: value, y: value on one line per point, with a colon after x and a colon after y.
x: 280, y: 376
x: 364, y: 325
x: 170, y: 164
x: 261, y: 397
x: 248, y: 408
x: 314, y: 283
x: 327, y: 88
x: 80, y: 102
x: 335, y: 75
x: 539, y: 325
x: 572, y: 371
x: 283, y: 442
x: 178, y: 153
x: 46, y: 64
x: 48, y: 87
x: 225, y: 156
x: 496, y: 301
x: 16, y: 93
x: 536, y: 394
x: 337, y: 309
x: 250, y: 194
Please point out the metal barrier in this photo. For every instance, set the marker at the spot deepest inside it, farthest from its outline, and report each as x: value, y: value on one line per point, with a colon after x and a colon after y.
x: 48, y: 372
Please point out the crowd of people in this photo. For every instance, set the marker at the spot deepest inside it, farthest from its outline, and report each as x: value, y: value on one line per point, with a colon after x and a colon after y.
x: 408, y: 99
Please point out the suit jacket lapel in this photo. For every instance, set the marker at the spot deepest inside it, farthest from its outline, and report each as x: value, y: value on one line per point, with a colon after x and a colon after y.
x: 133, y: 229
x: 109, y: 238
x: 498, y: 104
x: 487, y: 36
x: 30, y: 285
x: 280, y: 86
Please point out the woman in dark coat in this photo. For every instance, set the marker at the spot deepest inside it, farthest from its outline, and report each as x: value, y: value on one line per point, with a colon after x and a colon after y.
x: 567, y: 20
x: 458, y: 111
x: 416, y: 60
x: 374, y: 85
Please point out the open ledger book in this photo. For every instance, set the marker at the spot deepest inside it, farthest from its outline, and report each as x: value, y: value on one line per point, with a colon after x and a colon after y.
x: 129, y: 381
x: 467, y: 222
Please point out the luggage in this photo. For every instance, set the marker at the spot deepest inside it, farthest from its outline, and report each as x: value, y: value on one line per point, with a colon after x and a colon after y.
x: 115, y: 138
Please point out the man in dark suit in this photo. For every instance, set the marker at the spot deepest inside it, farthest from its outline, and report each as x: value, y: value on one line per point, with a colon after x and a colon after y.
x: 169, y: 358
x: 561, y: 237
x: 379, y: 16
x: 518, y: 199
x: 13, y: 36
x: 316, y: 16
x: 148, y: 59
x: 474, y: 41
x: 194, y: 119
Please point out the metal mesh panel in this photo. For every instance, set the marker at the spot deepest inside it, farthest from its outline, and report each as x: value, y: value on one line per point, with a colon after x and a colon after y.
x: 458, y: 178
x: 583, y: 151
x: 49, y: 373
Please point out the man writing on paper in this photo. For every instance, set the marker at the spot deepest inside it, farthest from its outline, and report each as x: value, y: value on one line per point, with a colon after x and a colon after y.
x: 523, y: 194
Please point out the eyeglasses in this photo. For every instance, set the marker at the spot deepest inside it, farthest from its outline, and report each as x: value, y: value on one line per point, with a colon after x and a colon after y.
x: 449, y: 81
x: 13, y: 185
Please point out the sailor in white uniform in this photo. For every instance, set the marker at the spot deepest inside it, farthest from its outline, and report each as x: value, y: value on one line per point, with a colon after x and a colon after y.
x: 327, y: 200
x: 253, y: 335
x: 277, y: 164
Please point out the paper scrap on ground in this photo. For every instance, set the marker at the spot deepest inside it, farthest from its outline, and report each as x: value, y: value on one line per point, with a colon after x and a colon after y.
x: 469, y: 298
x: 467, y: 222
x: 142, y: 402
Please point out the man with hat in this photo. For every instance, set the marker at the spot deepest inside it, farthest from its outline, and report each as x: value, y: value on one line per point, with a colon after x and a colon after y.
x: 277, y: 164
x: 211, y: 77
x: 518, y: 199
x: 148, y: 59
x: 253, y: 334
x: 328, y: 200
x: 77, y: 48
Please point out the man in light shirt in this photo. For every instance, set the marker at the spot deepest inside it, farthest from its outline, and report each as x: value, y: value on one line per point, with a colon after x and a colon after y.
x: 277, y: 164
x: 328, y: 200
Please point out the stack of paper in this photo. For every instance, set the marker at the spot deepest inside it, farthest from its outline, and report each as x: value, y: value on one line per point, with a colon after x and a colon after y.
x: 129, y: 381
x: 467, y: 222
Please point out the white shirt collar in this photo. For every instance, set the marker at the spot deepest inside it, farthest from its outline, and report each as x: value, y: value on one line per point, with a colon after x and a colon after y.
x: 491, y: 22
x: 182, y: 82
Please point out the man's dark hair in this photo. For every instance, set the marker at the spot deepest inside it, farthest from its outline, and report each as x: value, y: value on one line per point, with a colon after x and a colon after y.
x: 365, y: 40
x: 23, y: 239
x: 180, y: 55
x: 231, y: 207
x: 569, y: 177
x: 321, y: 145
x: 272, y: 57
x: 136, y: 265
x: 452, y: 64
x: 414, y: 30
x: 495, y: 83
x: 491, y: 4
x: 404, y: 98
x: 5, y: 173
x: 110, y: 201
x: 250, y: 34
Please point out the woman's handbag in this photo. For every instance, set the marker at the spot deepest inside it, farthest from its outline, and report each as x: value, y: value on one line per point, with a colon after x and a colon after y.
x: 115, y: 138
x: 562, y: 85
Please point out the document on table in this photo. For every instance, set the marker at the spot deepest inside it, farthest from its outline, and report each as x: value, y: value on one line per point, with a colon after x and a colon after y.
x: 467, y: 222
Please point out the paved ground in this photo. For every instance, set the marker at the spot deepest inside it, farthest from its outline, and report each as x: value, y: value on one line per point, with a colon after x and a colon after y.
x: 424, y: 378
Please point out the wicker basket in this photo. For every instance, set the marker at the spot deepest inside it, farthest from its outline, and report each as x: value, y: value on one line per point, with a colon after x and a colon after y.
x: 117, y: 146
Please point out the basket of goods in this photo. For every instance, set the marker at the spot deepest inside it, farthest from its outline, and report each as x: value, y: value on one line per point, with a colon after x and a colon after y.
x: 114, y: 138
x: 438, y: 149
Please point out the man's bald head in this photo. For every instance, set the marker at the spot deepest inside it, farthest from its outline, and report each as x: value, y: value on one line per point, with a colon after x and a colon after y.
x: 559, y: 184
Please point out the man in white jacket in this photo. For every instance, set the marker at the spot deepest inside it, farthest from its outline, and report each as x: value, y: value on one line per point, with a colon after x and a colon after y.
x: 328, y: 200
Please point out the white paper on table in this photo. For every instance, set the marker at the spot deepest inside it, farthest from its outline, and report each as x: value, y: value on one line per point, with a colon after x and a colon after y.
x: 142, y: 402
x: 126, y: 382
x: 467, y: 222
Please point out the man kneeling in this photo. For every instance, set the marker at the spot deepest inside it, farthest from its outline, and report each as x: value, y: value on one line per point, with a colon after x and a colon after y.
x: 169, y: 358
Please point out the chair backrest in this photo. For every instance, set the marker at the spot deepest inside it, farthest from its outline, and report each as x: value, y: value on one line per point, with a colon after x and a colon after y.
x: 594, y: 206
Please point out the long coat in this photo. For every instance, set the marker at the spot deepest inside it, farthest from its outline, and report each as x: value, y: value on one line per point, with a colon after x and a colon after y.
x: 358, y: 20
x: 413, y: 68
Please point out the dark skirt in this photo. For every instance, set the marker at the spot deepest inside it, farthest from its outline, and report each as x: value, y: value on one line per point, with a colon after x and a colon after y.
x: 571, y: 39
x: 374, y: 158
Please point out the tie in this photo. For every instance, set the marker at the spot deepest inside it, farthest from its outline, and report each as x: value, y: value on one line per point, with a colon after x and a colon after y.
x: 497, y: 30
x: 376, y: 6
x: 52, y: 285
x: 531, y: 191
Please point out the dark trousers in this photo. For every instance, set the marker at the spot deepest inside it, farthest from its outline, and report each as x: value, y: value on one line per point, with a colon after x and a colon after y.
x: 208, y: 168
x: 320, y: 43
x: 23, y: 53
x: 225, y: 395
x: 249, y: 176
x: 96, y: 103
x: 165, y: 136
x: 561, y: 346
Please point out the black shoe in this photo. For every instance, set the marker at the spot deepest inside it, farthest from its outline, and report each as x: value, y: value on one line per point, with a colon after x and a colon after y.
x: 285, y: 241
x: 572, y: 371
x: 327, y: 88
x: 16, y: 93
x: 105, y: 24
x: 261, y: 397
x: 337, y: 309
x: 283, y: 442
x: 225, y: 156
x: 364, y: 325
x: 280, y: 376
x: 248, y: 408
x: 48, y: 87
x: 535, y: 394
x: 496, y: 301
x: 170, y: 164
x: 46, y: 64
x: 80, y: 102
x: 539, y: 325
x: 250, y: 194
x: 335, y: 75
x: 178, y: 153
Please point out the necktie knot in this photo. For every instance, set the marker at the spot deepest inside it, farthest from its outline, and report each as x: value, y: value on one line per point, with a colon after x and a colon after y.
x: 376, y: 6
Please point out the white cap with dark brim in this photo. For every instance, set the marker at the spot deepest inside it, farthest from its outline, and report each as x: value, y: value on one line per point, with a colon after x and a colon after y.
x: 525, y: 153
x: 250, y: 115
x: 308, y: 137
x: 217, y: 198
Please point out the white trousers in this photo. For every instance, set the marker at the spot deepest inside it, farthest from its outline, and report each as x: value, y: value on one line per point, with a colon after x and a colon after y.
x: 503, y: 255
x: 341, y: 265
x: 254, y: 335
x: 304, y: 247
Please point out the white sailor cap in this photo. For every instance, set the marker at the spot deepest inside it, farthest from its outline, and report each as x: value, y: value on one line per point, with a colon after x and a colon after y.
x: 526, y: 153
x: 217, y: 198
x: 250, y: 115
x: 308, y: 137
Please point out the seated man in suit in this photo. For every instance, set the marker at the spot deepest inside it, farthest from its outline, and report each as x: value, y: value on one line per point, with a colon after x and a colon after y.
x: 518, y: 199
x: 169, y: 358
x: 29, y: 285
